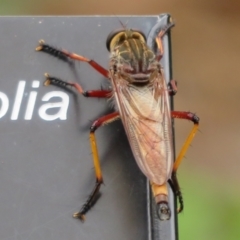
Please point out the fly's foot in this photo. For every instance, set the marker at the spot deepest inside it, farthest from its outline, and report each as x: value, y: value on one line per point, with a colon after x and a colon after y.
x: 79, y: 216
x: 47, y: 82
x: 163, y: 211
x: 41, y: 44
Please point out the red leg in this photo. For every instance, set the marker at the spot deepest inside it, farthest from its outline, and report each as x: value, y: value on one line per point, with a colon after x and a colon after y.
x: 185, y: 115
x: 93, y: 93
x: 63, y: 54
x: 98, y: 93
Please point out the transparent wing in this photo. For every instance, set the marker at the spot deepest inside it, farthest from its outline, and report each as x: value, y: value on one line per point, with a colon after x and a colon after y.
x: 146, y: 117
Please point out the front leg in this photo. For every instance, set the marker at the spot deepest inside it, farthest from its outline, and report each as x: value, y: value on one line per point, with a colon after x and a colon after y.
x: 64, y: 55
x: 159, y: 40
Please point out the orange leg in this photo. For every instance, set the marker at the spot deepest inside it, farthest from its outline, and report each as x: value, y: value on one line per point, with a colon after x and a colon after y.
x: 174, y: 181
x: 99, y: 179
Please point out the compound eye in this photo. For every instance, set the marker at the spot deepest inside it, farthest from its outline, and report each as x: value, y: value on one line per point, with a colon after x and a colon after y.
x: 122, y: 34
x: 111, y: 35
x: 137, y: 32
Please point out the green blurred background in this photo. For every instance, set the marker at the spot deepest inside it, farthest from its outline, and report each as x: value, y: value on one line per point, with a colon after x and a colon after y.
x: 206, y: 49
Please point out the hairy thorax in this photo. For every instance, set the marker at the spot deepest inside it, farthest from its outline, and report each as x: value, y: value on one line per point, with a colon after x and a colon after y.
x: 134, y: 62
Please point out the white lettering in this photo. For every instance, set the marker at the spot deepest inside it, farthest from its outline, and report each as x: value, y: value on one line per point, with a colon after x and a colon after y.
x: 63, y: 106
x: 35, y: 84
x: 4, y: 104
x: 30, y: 106
x: 18, y: 100
x: 31, y: 101
x: 52, y: 110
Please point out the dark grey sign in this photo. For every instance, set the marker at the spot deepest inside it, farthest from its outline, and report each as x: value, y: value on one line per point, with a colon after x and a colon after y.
x: 46, y: 170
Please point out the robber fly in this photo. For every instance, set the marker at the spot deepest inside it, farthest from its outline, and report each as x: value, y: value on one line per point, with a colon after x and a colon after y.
x: 141, y: 98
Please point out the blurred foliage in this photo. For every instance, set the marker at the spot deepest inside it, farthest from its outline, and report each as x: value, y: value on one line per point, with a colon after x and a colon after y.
x: 211, y: 207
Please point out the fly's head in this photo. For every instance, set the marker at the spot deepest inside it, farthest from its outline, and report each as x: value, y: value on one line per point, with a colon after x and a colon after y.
x: 131, y: 59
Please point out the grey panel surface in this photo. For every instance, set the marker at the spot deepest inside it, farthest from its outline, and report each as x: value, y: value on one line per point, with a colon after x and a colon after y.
x: 46, y: 168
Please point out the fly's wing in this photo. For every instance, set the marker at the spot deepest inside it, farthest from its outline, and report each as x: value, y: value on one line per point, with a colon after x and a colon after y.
x: 146, y: 117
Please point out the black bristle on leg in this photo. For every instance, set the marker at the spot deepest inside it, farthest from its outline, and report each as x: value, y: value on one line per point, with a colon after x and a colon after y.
x: 52, y: 51
x: 180, y: 200
x: 177, y: 191
x: 55, y: 81
x: 89, y: 203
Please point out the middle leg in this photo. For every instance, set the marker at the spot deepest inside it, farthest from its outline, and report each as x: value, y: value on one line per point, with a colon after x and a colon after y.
x: 93, y: 93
